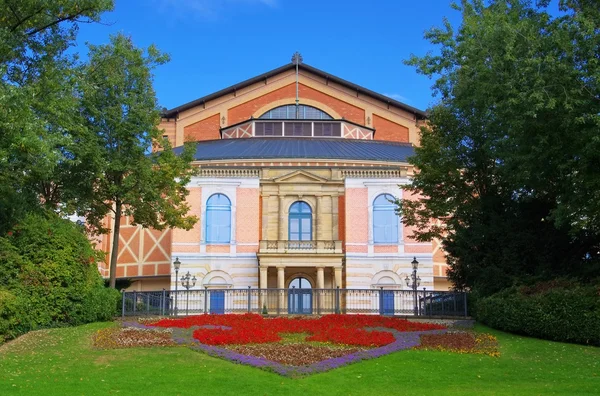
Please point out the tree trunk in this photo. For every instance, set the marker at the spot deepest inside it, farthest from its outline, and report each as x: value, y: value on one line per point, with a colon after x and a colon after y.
x: 115, y: 246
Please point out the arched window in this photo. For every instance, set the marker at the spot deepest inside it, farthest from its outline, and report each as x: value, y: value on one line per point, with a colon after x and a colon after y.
x: 293, y: 112
x: 218, y: 219
x: 300, y: 222
x: 300, y: 283
x: 385, y: 220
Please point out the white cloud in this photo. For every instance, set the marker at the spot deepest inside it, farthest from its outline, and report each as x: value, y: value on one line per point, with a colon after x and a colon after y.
x: 207, y: 8
x: 397, y: 97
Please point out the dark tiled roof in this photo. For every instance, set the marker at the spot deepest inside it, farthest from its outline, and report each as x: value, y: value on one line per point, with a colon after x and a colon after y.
x: 420, y: 114
x: 302, y: 148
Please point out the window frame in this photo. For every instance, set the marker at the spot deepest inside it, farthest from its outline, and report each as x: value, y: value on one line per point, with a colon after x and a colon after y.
x: 393, y: 227
x: 299, y: 216
x: 211, y: 239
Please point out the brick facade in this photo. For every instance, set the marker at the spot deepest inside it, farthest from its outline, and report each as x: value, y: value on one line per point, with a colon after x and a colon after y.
x: 342, y: 213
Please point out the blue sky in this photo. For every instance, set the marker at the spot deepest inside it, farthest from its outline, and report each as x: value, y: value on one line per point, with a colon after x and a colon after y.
x: 217, y: 43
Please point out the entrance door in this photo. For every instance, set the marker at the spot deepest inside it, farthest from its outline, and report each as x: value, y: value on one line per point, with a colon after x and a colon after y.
x: 300, y: 297
x: 217, y: 302
x: 386, y: 302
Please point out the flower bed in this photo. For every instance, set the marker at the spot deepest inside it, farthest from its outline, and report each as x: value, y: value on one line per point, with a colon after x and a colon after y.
x: 297, y: 354
x: 244, y: 329
x: 461, y: 342
x: 127, y: 337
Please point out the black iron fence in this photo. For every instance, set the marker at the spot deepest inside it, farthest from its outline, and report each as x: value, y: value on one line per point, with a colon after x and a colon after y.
x: 295, y: 302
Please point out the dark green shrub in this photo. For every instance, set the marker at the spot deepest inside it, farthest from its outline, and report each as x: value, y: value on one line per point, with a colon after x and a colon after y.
x: 561, y: 311
x: 49, y: 269
x: 8, y: 315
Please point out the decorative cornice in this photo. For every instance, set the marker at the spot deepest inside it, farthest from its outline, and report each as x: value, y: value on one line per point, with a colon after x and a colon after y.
x: 228, y: 172
x: 373, y: 173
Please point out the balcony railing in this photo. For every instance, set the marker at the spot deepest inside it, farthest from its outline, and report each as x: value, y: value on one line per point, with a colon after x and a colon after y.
x: 299, y: 247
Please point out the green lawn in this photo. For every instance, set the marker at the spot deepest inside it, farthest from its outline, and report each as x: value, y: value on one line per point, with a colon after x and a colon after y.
x: 62, y: 362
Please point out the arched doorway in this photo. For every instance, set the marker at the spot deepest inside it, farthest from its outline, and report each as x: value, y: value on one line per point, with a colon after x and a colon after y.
x: 300, y: 296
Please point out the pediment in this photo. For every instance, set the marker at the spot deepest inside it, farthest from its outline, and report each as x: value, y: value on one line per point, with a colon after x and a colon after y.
x: 300, y: 176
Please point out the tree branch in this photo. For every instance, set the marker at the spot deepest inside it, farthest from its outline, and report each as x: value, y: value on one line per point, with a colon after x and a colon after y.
x: 57, y: 21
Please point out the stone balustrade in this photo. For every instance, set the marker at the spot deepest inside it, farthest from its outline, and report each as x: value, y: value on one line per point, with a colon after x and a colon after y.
x: 300, y: 247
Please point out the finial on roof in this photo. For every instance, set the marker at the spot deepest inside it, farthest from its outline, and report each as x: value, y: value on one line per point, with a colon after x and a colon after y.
x: 297, y: 58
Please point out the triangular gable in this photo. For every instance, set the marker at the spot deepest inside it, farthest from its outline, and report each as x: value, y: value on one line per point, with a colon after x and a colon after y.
x: 300, y: 176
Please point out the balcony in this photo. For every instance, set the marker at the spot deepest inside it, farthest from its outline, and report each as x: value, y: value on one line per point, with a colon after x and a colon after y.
x: 297, y: 128
x: 301, y: 247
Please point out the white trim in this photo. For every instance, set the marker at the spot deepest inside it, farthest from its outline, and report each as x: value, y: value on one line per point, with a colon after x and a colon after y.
x: 187, y: 256
x: 241, y: 182
x: 361, y: 183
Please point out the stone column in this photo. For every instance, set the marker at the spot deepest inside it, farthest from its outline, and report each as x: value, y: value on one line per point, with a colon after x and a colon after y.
x: 338, y: 277
x: 320, y: 278
x: 320, y: 285
x: 319, y: 219
x: 265, y: 217
x: 282, y: 220
x: 263, y: 285
x: 281, y: 277
x: 335, y: 217
x: 281, y: 292
x: 263, y: 277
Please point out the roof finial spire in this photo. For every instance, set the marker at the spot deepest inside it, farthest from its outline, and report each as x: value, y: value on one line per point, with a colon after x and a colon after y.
x: 297, y: 58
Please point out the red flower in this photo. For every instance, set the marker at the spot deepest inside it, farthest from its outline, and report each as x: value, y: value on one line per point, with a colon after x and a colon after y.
x: 254, y: 329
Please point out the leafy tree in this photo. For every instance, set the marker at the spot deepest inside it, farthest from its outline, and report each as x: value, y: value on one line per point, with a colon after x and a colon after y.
x: 117, y: 174
x: 509, y: 158
x: 49, y: 277
x: 37, y: 82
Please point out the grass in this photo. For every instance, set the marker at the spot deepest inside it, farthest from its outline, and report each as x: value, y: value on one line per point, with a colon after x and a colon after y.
x: 62, y: 362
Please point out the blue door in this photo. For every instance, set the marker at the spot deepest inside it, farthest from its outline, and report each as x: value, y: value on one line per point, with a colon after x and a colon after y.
x: 217, y: 302
x: 300, y: 297
x: 386, y: 303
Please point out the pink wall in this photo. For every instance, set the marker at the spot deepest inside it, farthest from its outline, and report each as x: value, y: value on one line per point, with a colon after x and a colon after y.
x: 194, y: 199
x: 357, y: 219
x: 247, y: 219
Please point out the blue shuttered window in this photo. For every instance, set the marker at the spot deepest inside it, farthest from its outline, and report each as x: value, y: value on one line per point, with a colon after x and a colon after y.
x: 218, y: 219
x: 385, y: 220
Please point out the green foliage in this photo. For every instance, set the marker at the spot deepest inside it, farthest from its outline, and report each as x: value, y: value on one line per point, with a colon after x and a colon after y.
x: 567, y: 312
x: 9, y: 309
x: 38, y: 121
x: 117, y: 173
x: 506, y: 159
x: 50, y: 271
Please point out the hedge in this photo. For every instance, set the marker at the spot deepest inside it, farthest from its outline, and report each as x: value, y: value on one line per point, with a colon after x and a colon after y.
x: 568, y: 313
x: 49, y: 274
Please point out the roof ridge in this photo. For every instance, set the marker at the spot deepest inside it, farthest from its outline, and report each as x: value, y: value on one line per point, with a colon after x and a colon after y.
x: 232, y: 88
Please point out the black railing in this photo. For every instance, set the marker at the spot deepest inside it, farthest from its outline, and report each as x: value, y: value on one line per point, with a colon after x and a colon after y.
x: 295, y: 302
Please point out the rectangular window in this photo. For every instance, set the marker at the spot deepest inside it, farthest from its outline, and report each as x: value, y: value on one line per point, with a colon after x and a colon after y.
x: 218, y: 228
x: 385, y: 227
x: 297, y: 129
x: 328, y: 129
x: 267, y: 128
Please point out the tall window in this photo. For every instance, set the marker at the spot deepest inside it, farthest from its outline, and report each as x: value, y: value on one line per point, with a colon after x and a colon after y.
x: 218, y: 219
x: 385, y: 220
x: 300, y: 222
x: 300, y: 112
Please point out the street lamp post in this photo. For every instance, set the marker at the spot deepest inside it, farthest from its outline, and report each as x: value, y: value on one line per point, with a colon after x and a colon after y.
x: 413, y: 282
x: 176, y: 265
x: 188, y: 282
